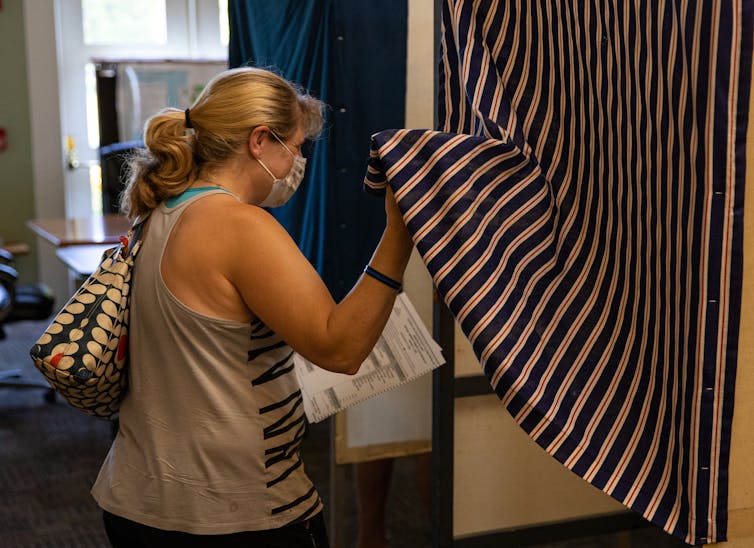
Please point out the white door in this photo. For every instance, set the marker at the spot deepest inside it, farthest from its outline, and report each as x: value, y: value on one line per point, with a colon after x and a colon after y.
x: 135, y: 29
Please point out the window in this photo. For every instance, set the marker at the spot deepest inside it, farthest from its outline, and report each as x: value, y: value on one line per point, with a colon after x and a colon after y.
x: 222, y: 8
x: 115, y: 22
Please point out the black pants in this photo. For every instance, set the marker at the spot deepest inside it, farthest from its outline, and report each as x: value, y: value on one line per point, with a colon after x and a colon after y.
x: 124, y: 533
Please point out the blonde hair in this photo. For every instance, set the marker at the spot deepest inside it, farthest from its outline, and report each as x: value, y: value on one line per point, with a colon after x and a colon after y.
x: 231, y: 105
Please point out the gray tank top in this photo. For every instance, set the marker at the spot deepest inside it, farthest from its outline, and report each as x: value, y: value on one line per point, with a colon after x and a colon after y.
x: 211, y: 427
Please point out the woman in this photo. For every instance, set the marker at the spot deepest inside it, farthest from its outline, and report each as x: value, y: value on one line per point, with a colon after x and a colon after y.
x: 207, y: 453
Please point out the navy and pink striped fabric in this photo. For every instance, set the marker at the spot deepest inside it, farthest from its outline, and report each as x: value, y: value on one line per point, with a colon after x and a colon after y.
x: 581, y: 212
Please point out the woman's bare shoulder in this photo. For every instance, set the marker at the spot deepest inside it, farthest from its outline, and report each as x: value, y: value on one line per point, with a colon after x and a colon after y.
x: 225, y: 220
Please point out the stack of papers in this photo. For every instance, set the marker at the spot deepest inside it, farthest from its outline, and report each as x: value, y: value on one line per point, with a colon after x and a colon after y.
x: 405, y: 352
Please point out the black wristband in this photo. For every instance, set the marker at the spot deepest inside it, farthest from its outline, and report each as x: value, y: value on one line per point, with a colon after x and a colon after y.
x: 390, y: 282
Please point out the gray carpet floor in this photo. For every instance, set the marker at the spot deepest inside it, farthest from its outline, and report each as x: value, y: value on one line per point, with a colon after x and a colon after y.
x: 50, y: 454
x: 49, y: 457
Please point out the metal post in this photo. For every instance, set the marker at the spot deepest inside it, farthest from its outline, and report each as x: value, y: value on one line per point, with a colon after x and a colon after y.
x: 443, y: 416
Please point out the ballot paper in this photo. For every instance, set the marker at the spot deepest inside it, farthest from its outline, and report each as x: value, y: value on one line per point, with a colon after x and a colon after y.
x: 404, y: 352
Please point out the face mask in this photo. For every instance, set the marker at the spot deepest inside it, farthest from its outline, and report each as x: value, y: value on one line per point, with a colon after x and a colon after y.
x: 283, y: 189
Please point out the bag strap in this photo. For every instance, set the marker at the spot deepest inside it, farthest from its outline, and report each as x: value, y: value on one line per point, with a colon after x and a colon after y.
x: 132, y: 241
x: 137, y: 229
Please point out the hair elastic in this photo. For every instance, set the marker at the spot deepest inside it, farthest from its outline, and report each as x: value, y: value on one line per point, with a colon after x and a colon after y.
x: 390, y: 282
x: 187, y: 114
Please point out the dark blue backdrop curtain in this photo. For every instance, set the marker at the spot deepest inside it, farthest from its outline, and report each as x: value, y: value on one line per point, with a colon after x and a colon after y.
x: 353, y: 57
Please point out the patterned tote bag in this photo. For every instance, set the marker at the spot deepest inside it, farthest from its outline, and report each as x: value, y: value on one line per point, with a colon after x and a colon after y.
x: 83, y: 353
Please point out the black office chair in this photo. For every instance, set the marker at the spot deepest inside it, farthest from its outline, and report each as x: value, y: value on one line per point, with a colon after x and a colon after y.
x: 8, y: 278
x: 21, y: 302
x: 113, y: 162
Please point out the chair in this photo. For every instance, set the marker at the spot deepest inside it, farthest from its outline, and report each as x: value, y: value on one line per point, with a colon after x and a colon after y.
x: 113, y: 161
x: 21, y: 302
x: 26, y: 301
x: 7, y: 282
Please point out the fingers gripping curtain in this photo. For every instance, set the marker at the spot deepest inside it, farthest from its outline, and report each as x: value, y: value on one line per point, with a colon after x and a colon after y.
x: 581, y: 213
x: 352, y: 55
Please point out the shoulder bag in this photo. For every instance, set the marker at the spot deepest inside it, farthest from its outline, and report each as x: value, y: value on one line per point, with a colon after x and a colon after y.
x: 83, y: 353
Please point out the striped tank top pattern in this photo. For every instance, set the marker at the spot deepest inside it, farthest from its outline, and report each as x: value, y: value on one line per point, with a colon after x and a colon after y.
x: 283, y: 419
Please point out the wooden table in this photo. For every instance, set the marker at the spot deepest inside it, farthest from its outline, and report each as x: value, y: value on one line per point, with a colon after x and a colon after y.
x: 92, y: 235
x: 82, y: 260
x: 105, y: 229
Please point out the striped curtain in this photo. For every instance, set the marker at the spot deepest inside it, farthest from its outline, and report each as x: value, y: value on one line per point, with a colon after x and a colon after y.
x: 581, y: 212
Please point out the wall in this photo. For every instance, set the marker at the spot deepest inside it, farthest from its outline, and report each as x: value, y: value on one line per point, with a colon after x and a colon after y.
x: 46, y: 135
x: 16, y: 182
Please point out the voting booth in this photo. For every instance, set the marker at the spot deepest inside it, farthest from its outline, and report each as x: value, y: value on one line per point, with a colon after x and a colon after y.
x: 482, y: 459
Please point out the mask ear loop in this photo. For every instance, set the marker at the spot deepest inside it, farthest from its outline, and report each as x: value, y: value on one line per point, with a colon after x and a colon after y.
x: 282, y: 143
x: 261, y: 163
